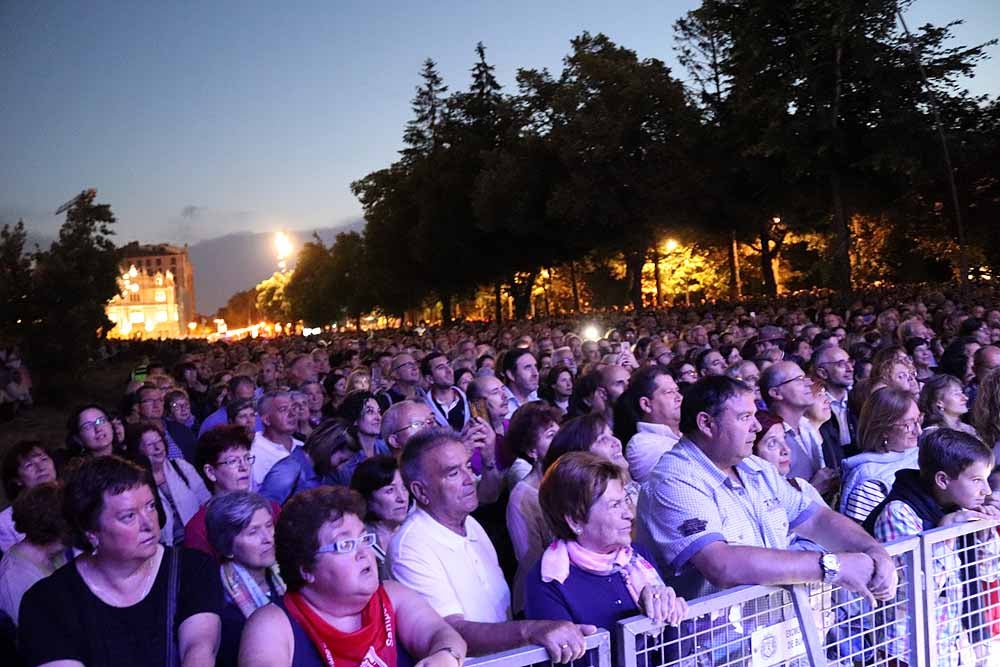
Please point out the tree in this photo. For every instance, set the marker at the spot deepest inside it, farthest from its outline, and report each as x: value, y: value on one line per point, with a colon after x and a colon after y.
x: 271, y: 299
x: 15, y: 283
x: 73, y: 281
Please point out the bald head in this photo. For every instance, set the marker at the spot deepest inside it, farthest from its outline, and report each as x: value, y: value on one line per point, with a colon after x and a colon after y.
x: 986, y: 359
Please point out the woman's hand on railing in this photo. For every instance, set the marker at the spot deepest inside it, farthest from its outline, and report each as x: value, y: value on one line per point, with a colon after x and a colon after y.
x: 661, y: 604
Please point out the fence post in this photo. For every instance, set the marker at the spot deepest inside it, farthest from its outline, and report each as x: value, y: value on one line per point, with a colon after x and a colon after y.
x: 807, y: 625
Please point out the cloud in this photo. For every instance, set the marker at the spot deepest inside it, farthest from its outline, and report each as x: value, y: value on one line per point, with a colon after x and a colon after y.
x: 195, y: 223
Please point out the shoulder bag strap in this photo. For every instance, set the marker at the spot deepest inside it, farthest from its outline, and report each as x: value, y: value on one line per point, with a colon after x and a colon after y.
x: 173, y: 650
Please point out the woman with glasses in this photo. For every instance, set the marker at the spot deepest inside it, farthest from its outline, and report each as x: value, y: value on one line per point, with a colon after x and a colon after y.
x: 241, y: 528
x: 89, y: 432
x: 225, y: 462
x: 380, y: 483
x: 888, y: 432
x: 181, y: 490
x: 336, y: 611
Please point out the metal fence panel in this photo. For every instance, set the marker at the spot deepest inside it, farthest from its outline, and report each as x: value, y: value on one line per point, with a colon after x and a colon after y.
x: 598, y: 655
x: 750, y: 626
x: 961, y: 564
x: 841, y: 628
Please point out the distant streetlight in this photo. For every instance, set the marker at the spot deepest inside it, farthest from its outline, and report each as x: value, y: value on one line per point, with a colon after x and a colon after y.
x: 671, y: 245
x: 283, y: 248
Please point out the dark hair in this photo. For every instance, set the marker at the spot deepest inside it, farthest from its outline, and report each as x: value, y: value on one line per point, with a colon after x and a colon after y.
x: 546, y: 389
x: 709, y: 394
x: 172, y: 396
x: 417, y: 447
x: 931, y: 393
x: 970, y: 326
x: 353, y: 405
x: 571, y: 486
x: 576, y: 435
x: 628, y: 414
x: 182, y: 368
x: 235, y: 406
x: 522, y: 431
x: 509, y: 361
x: 302, y: 517
x: 371, y: 475
x: 425, y: 363
x: 700, y: 362
x: 462, y: 372
x: 73, y: 442
x: 12, y: 461
x: 481, y: 361
x: 954, y: 360
x: 133, y: 438
x: 331, y: 436
x: 913, y: 343
x: 951, y: 452
x: 38, y: 514
x: 237, y: 380
x: 87, y: 482
x: 215, y: 441
x: 583, y: 392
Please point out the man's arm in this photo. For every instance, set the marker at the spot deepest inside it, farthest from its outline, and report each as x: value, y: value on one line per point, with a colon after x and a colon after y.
x: 563, y: 640
x: 199, y: 639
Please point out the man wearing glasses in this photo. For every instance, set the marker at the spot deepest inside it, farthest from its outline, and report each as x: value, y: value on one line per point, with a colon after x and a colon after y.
x: 404, y: 420
x: 406, y: 379
x: 833, y: 367
x: 787, y: 391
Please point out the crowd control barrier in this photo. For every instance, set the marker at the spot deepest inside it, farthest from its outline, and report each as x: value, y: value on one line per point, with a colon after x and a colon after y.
x: 598, y: 655
x: 946, y: 613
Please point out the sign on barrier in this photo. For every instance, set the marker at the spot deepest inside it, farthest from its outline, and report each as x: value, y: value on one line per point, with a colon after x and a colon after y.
x: 598, y: 655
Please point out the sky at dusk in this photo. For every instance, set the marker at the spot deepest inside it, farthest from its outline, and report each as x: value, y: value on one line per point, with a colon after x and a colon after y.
x: 197, y: 119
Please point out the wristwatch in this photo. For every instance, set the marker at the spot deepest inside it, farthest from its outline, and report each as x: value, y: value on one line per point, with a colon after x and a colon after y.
x: 829, y: 566
x: 452, y: 652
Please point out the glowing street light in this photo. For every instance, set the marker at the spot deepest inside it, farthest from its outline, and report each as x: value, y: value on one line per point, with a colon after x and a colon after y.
x: 283, y: 248
x: 671, y: 245
x: 590, y: 332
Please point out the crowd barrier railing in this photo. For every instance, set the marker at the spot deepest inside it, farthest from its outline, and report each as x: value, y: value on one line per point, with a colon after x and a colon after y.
x: 598, y: 655
x: 946, y: 613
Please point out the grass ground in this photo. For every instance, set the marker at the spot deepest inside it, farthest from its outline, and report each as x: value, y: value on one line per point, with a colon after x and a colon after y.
x: 56, y: 398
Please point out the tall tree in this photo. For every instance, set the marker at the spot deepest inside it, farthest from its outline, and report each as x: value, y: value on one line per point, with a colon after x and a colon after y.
x: 15, y: 283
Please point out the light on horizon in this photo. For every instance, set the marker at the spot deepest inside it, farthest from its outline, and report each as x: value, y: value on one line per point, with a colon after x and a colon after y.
x: 283, y: 248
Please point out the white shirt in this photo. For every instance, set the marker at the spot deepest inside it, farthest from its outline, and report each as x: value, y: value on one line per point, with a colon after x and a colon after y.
x: 9, y: 536
x: 806, y: 448
x: 650, y: 442
x: 529, y: 534
x: 513, y: 404
x: 266, y: 453
x: 455, y: 574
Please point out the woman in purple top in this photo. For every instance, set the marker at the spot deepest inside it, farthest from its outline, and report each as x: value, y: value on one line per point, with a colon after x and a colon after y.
x: 591, y: 573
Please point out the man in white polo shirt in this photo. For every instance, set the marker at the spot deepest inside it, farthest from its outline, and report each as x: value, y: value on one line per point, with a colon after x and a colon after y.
x: 445, y: 555
x: 275, y: 442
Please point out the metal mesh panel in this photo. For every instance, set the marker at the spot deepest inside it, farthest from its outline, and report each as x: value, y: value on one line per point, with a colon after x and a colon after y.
x: 961, y: 566
x: 598, y: 655
x: 750, y: 626
x: 850, y: 631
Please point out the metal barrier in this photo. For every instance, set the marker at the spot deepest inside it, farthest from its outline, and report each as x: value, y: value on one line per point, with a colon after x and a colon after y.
x: 598, y: 655
x: 961, y: 565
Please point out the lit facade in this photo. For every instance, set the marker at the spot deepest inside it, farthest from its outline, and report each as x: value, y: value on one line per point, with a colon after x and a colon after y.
x: 157, y: 293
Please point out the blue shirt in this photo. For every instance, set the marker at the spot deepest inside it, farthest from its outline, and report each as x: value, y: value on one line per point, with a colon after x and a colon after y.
x: 220, y: 418
x: 689, y: 503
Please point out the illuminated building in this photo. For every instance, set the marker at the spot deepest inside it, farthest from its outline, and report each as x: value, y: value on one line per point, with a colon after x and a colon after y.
x: 157, y: 292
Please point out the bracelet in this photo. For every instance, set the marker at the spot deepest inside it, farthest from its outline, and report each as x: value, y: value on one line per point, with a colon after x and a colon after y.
x: 455, y: 654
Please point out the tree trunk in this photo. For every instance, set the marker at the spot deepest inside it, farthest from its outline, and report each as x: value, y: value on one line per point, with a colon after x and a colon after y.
x: 357, y: 322
x: 842, y: 235
x: 498, y: 302
x: 656, y: 276
x: 633, y: 272
x: 767, y: 259
x: 445, y: 309
x: 735, y: 283
x: 576, y: 289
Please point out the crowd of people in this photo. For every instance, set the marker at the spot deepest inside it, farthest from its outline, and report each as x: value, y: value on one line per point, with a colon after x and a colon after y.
x: 416, y: 497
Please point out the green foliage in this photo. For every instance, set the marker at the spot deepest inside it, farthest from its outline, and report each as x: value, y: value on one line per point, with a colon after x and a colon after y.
x: 15, y: 283
x: 72, y: 283
x: 270, y: 297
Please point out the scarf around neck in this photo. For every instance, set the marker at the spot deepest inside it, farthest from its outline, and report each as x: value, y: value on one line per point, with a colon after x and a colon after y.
x: 245, y: 592
x: 636, y: 571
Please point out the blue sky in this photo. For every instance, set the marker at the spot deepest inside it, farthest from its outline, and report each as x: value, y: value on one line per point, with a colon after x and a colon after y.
x: 196, y: 119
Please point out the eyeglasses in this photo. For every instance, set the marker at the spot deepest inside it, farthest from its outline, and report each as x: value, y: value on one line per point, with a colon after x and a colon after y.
x: 348, y: 545
x: 234, y: 461
x: 843, y: 363
x: 797, y: 378
x: 180, y: 404
x: 430, y: 421
x: 92, y: 425
x: 912, y: 426
x: 408, y: 363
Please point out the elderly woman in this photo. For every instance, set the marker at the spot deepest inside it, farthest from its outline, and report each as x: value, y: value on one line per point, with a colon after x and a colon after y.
x: 379, y: 482
x: 593, y: 574
x: 888, y: 431
x: 241, y: 527
x: 771, y: 446
x: 89, y: 432
x: 25, y: 465
x: 591, y: 433
x: 177, y: 409
x: 38, y: 516
x: 182, y: 491
x: 943, y: 404
x: 531, y: 431
x: 109, y: 603
x: 336, y: 611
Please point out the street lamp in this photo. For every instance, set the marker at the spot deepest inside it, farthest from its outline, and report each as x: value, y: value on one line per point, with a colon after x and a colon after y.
x: 283, y: 248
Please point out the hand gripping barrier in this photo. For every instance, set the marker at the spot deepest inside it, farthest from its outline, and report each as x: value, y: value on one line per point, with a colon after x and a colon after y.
x: 598, y: 655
